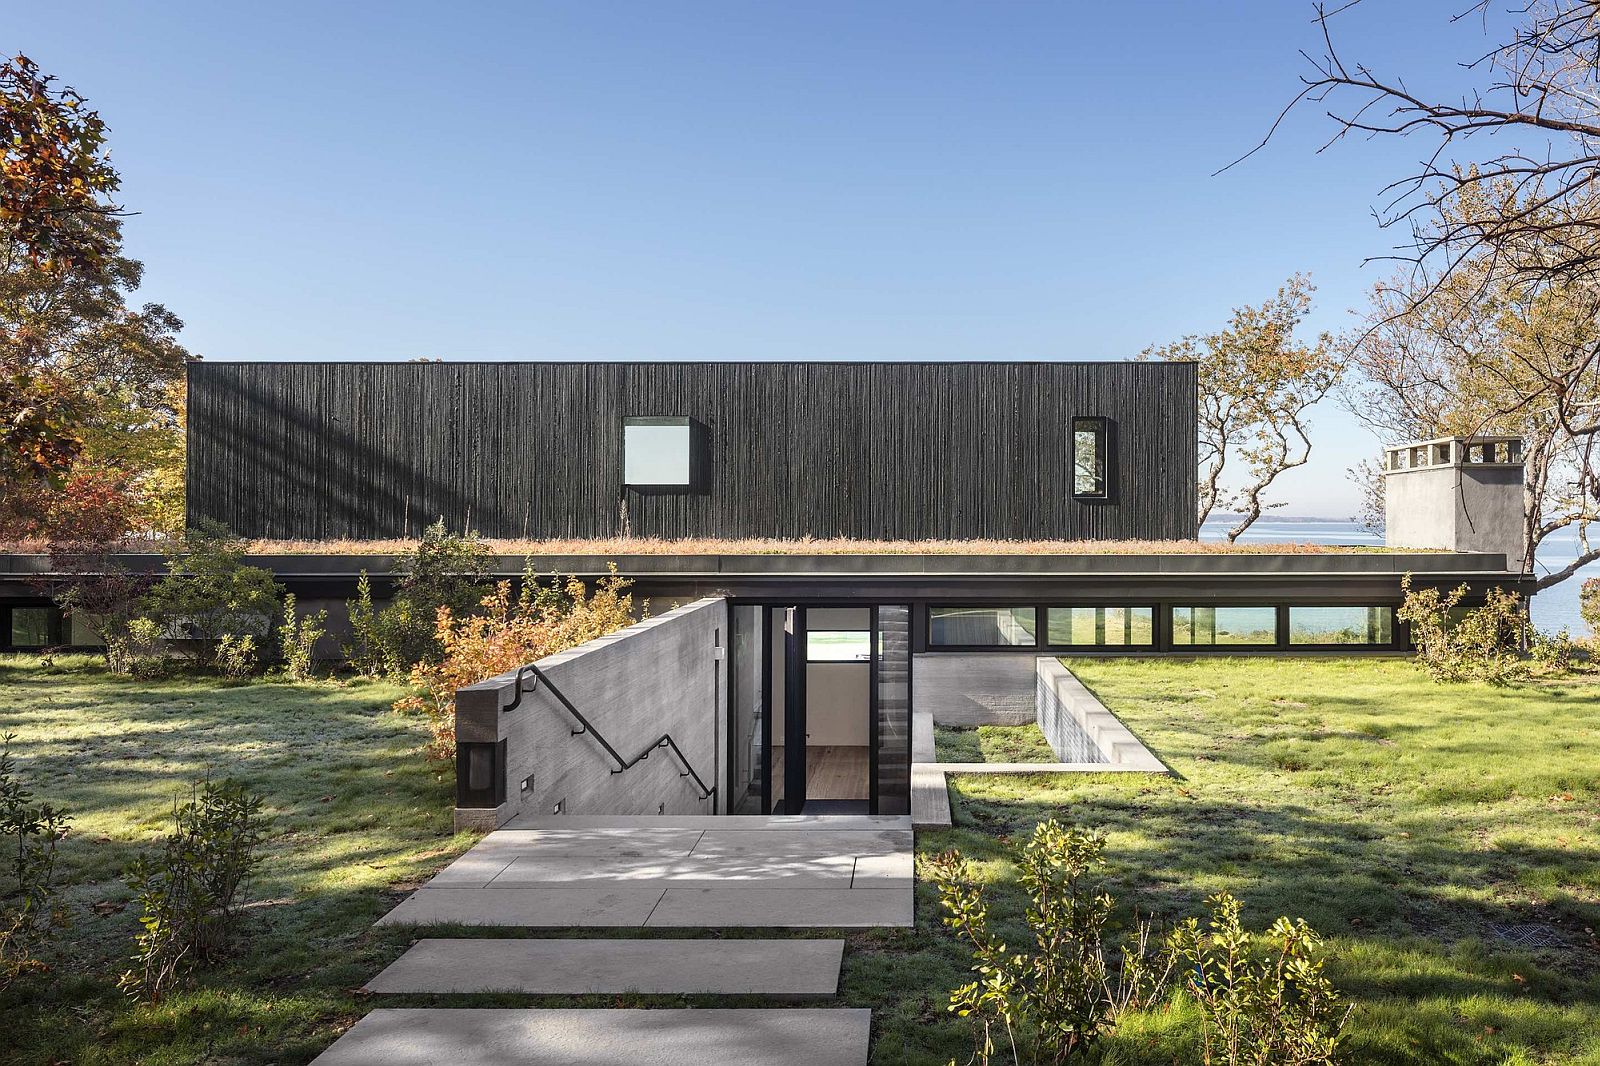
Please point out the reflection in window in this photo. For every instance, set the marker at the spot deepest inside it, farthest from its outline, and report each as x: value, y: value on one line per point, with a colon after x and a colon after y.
x: 982, y: 626
x: 30, y: 627
x: 1089, y: 457
x: 1224, y: 625
x: 657, y: 453
x: 838, y: 646
x: 1341, y: 625
x: 1101, y: 627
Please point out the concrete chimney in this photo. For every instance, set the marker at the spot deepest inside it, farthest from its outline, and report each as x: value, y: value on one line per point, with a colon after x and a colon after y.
x: 1457, y: 494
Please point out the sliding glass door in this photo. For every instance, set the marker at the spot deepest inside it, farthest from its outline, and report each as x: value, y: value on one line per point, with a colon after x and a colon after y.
x: 891, y: 709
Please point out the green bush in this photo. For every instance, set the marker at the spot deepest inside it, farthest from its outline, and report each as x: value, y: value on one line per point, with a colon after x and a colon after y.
x: 1589, y: 604
x: 1061, y: 998
x: 1479, y: 644
x: 138, y: 651
x: 208, y: 593
x: 297, y: 639
x: 1264, y: 1000
x: 29, y: 833
x: 445, y: 571
x: 236, y: 657
x: 364, y: 653
x: 191, y: 891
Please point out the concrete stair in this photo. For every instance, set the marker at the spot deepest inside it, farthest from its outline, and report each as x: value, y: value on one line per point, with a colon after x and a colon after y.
x: 821, y: 1036
x: 688, y: 871
x: 582, y: 967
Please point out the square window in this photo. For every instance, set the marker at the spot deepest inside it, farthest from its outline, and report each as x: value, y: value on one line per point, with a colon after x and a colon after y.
x: 1090, y: 447
x: 30, y: 627
x: 657, y: 453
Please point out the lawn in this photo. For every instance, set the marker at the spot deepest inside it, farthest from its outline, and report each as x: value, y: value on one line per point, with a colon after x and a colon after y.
x: 992, y: 743
x: 1433, y: 833
x: 356, y: 813
x: 1424, y: 829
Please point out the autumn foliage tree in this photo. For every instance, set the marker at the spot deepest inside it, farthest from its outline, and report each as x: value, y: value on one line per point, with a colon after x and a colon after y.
x: 55, y: 170
x: 1258, y: 381
x: 90, y: 387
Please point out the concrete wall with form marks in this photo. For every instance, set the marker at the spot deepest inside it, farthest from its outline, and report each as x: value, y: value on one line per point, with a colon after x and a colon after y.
x: 666, y: 674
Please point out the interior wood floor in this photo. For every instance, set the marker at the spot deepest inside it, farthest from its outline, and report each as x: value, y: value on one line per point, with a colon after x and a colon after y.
x: 837, y: 772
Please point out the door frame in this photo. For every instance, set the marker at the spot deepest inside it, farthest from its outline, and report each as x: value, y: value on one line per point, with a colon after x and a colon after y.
x: 795, y: 695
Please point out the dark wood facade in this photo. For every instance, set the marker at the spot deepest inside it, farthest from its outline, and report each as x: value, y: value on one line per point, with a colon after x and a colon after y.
x: 866, y: 450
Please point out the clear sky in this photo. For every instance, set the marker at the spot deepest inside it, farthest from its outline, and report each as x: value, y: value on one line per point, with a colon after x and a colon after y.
x: 752, y: 180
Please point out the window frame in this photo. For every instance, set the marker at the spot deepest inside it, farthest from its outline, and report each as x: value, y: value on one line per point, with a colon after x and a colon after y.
x: 1102, y: 432
x: 693, y: 478
x: 1395, y: 641
x: 929, y: 607
x: 1280, y: 613
x: 1058, y: 605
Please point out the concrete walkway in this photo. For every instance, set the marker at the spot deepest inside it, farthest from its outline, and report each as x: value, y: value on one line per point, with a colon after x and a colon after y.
x: 826, y: 1036
x: 689, y: 871
x: 694, y: 871
x: 678, y: 967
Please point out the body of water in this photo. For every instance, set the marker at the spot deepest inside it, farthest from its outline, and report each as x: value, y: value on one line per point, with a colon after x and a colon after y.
x: 1553, y: 608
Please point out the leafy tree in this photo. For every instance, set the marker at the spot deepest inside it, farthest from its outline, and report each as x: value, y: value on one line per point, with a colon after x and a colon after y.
x: 89, y: 386
x: 55, y: 170
x: 1481, y: 352
x: 209, y: 593
x: 1257, y: 384
x: 446, y: 572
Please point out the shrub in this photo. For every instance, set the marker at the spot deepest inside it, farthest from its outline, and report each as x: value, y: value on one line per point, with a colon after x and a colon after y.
x: 236, y: 657
x: 1589, y: 604
x: 1481, y: 644
x: 1555, y: 653
x: 138, y: 651
x: 445, y: 572
x: 1271, y: 1007
x: 364, y: 653
x: 506, y: 632
x: 208, y: 593
x: 191, y: 891
x: 1062, y: 997
x: 29, y: 833
x: 297, y: 639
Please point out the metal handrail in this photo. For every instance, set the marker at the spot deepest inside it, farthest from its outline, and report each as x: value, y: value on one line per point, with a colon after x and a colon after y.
x: 663, y: 741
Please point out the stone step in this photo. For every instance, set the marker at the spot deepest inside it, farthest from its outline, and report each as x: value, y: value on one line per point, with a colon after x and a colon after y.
x: 723, y: 822
x: 667, y: 967
x: 825, y: 1036
x: 685, y: 908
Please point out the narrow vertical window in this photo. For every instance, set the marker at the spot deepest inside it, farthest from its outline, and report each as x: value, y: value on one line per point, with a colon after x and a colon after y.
x: 1089, y: 458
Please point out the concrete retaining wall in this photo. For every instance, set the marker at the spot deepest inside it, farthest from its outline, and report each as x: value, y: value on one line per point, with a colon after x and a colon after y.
x: 981, y: 689
x: 1070, y: 717
x: 663, y: 675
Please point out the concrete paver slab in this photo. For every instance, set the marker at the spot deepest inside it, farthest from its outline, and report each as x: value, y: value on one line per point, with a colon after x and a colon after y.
x: 676, y: 967
x: 601, y: 906
x: 761, y: 823
x: 834, y: 871
x: 885, y: 871
x: 804, y: 844
x: 489, y: 1037
x: 783, y: 908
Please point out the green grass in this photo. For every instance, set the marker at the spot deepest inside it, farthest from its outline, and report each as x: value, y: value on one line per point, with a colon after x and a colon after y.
x: 1404, y: 819
x: 1407, y: 821
x: 992, y: 743
x: 357, y: 814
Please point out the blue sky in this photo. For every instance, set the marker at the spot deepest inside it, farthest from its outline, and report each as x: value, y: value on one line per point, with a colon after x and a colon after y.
x: 735, y: 180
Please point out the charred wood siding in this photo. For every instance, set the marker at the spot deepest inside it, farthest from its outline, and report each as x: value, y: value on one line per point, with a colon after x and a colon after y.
x: 868, y: 450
